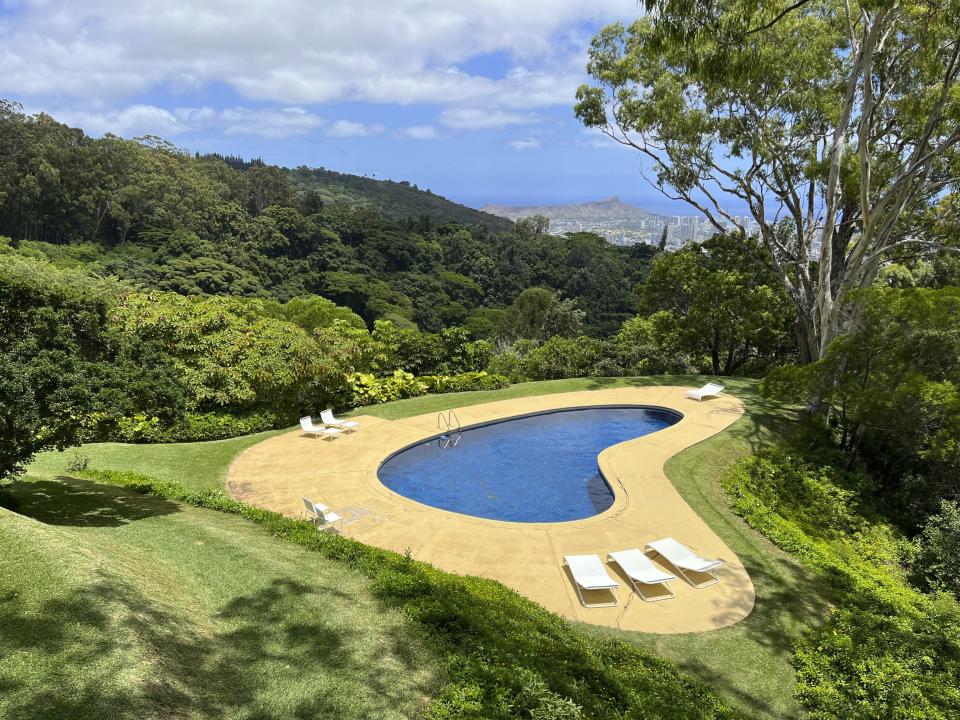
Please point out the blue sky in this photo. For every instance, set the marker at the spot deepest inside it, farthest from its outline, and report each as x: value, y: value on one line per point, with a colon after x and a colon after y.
x: 470, y: 99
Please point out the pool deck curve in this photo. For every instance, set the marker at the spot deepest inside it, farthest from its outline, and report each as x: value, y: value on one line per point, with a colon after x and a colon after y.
x: 527, y: 557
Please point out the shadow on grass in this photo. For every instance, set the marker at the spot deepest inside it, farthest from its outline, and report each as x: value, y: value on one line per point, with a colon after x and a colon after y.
x: 789, y: 600
x: 81, y: 503
x: 190, y: 671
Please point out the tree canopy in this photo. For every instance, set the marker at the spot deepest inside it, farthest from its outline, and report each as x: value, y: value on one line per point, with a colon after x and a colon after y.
x: 835, y: 123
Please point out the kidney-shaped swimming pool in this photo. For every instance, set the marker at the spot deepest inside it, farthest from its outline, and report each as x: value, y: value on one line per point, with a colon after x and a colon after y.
x: 535, y: 468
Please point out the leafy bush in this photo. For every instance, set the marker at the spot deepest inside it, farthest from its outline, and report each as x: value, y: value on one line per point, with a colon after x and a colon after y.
x: 892, y: 388
x: 65, y: 373
x: 194, y: 427
x: 464, y: 382
x: 936, y: 565
x: 885, y: 650
x: 561, y: 357
x: 368, y: 389
x: 507, y: 656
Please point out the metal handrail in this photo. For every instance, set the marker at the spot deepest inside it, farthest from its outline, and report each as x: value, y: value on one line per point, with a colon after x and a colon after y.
x: 453, y: 434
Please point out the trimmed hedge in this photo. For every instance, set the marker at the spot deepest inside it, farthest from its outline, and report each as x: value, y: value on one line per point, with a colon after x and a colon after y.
x: 506, y: 656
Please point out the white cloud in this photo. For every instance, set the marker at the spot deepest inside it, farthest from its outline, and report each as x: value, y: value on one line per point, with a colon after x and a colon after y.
x: 525, y: 144
x: 348, y: 128
x: 127, y: 122
x: 151, y: 120
x: 296, y: 52
x: 275, y: 124
x: 478, y: 119
x: 420, y: 132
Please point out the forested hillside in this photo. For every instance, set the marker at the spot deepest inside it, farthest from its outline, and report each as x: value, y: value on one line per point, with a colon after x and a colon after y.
x: 153, y: 214
x: 397, y: 200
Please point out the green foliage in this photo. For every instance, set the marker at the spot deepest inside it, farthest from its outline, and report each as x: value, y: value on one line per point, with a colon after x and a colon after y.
x: 368, y: 389
x: 538, y: 314
x: 936, y: 565
x: 691, y: 87
x: 892, y: 387
x: 885, y: 650
x: 398, y: 200
x: 562, y: 357
x: 463, y: 382
x: 507, y: 656
x: 149, y: 213
x: 227, y: 356
x: 193, y: 427
x: 312, y: 312
x: 719, y: 301
x: 639, y: 348
x: 65, y: 375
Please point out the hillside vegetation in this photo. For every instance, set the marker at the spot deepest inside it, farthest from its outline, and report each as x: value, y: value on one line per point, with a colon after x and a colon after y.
x: 396, y: 200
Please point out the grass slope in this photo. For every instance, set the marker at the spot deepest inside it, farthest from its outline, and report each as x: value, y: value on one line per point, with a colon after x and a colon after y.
x: 749, y: 664
x: 116, y: 605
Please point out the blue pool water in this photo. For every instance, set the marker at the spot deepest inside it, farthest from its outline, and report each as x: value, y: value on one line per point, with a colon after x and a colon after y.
x: 539, y: 468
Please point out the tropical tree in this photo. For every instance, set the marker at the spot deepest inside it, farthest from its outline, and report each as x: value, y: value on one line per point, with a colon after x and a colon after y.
x: 538, y: 314
x: 834, y: 121
x: 719, y: 300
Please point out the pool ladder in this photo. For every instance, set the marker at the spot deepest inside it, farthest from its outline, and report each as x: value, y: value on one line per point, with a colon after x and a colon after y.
x: 451, y: 422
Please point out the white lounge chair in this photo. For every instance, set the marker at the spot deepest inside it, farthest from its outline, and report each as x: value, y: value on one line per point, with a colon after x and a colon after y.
x: 321, y: 515
x: 306, y: 424
x: 590, y: 574
x: 684, y: 559
x: 707, y: 390
x: 640, y: 569
x: 327, y: 418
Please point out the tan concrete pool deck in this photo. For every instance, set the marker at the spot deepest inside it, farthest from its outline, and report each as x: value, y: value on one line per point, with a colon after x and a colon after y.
x: 527, y: 557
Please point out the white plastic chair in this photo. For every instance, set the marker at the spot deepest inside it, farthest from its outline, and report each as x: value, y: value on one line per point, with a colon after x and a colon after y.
x: 683, y: 558
x: 306, y: 424
x: 327, y: 418
x: 708, y: 390
x: 322, y: 516
x: 590, y: 574
x: 640, y: 569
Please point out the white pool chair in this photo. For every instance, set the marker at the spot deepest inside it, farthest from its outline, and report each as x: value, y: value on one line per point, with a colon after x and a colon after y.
x: 684, y: 559
x: 327, y: 418
x: 640, y: 569
x: 321, y: 515
x: 306, y: 424
x: 590, y: 574
x: 707, y: 390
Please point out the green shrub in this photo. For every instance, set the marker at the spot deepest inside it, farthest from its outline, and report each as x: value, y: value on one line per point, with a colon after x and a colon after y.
x: 936, y: 565
x: 193, y: 427
x: 562, y: 357
x: 507, y: 657
x: 885, y: 650
x: 464, y: 382
x: 368, y: 389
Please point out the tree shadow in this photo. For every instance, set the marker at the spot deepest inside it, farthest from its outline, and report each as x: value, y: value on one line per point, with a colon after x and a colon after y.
x: 256, y: 641
x: 81, y: 503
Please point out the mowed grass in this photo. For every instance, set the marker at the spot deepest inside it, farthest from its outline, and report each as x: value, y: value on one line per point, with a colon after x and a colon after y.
x: 197, y: 466
x: 118, y: 605
x: 749, y: 664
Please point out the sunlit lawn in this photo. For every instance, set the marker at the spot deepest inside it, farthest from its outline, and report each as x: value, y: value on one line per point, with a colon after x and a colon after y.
x: 118, y: 605
x: 749, y: 663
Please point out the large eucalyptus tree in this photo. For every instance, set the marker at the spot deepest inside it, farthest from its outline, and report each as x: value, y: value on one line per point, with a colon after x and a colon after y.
x: 835, y: 122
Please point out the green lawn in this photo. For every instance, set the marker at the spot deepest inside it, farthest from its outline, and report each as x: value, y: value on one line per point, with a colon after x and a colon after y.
x: 749, y: 664
x: 117, y: 605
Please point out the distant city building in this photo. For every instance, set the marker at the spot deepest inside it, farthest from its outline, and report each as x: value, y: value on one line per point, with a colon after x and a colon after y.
x: 621, y: 223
